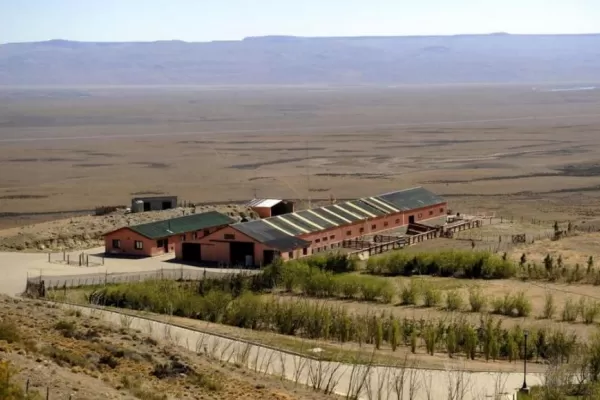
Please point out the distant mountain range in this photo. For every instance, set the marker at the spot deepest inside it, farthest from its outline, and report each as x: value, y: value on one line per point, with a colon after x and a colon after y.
x: 495, y: 58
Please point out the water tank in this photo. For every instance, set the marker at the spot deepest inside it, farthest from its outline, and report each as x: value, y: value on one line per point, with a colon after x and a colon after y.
x: 138, y: 206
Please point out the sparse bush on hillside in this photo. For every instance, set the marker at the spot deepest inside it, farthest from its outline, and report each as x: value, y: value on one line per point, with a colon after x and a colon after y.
x: 432, y: 297
x: 9, y: 331
x: 510, y: 305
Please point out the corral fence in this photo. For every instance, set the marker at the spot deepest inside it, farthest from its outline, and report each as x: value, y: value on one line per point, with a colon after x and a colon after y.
x: 38, y: 285
x: 77, y: 260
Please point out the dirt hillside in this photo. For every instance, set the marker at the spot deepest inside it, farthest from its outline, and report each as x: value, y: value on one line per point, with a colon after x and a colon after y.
x: 86, y: 231
x: 64, y: 353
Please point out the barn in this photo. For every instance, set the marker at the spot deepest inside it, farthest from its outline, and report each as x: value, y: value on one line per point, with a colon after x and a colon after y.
x: 302, y: 233
x: 161, y: 237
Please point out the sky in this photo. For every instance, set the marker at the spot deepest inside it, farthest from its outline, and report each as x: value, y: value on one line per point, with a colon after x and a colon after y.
x: 206, y: 20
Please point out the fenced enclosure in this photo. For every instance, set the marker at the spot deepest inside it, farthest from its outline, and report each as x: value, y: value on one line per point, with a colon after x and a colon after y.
x: 76, y: 260
x: 38, y: 285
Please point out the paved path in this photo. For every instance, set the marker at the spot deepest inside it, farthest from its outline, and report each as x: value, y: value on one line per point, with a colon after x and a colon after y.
x: 378, y: 383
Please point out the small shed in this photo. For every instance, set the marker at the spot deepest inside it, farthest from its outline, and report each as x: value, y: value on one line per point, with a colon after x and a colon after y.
x: 266, y: 208
x: 141, y: 204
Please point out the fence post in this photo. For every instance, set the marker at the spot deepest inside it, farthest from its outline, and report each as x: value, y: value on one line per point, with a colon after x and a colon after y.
x: 48, y: 256
x: 87, y: 260
x: 47, y: 392
x: 68, y: 261
x: 27, y: 386
x: 64, y: 255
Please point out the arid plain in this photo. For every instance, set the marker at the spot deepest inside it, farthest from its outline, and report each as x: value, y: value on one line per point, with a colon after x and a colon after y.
x: 516, y: 150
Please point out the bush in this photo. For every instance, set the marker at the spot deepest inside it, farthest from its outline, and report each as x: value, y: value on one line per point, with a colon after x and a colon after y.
x: 477, y: 300
x: 589, y: 311
x: 549, y: 307
x: 9, y: 331
x: 522, y: 305
x: 67, y: 328
x: 454, y: 300
x: 432, y: 297
x: 409, y: 294
x: 455, y: 263
x: 570, y: 311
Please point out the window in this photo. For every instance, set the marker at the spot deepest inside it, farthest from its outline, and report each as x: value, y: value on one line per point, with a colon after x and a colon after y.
x: 317, y: 240
x: 430, y: 212
x: 160, y: 243
x: 332, y: 237
x: 139, y: 245
x: 348, y: 233
x: 325, y: 239
x: 206, y: 232
x: 385, y: 224
x: 291, y: 255
x: 305, y: 251
x: 397, y: 220
x: 229, y: 236
x: 361, y: 230
x: 374, y: 226
x: 116, y: 244
x: 442, y: 209
x: 183, y: 238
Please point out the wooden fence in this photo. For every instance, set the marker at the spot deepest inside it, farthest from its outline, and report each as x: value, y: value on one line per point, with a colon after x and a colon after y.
x: 77, y: 260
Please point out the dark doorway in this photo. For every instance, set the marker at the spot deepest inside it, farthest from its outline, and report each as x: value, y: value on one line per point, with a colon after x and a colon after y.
x: 268, y: 256
x: 411, y: 219
x: 166, y: 245
x: 241, y: 253
x: 166, y: 205
x: 282, y: 208
x: 147, y: 206
x: 191, y: 252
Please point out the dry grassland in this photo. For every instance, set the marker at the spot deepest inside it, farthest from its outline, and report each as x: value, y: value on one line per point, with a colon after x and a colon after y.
x: 68, y: 354
x: 508, y: 149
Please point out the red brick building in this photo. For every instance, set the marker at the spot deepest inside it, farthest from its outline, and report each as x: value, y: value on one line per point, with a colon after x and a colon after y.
x: 302, y: 233
x: 161, y: 237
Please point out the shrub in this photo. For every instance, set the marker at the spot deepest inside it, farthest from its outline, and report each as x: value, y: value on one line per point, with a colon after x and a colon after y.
x: 454, y: 300
x: 589, y: 311
x: 432, y: 297
x: 409, y: 294
x: 456, y: 263
x: 67, y: 328
x: 477, y: 300
x: 549, y: 307
x: 9, y: 331
x: 349, y: 286
x: 570, y: 311
x: 522, y: 305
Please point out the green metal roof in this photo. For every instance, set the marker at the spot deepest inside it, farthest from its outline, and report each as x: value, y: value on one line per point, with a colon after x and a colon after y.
x: 180, y: 225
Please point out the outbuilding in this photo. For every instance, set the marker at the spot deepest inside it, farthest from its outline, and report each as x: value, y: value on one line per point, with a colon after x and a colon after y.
x: 270, y: 207
x: 142, y: 204
x: 160, y: 237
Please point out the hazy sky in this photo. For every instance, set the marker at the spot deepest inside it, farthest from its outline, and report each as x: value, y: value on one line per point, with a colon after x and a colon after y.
x: 205, y: 20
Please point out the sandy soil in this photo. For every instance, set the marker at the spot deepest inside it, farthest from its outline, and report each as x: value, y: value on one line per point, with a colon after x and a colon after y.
x: 91, y: 360
x: 502, y: 148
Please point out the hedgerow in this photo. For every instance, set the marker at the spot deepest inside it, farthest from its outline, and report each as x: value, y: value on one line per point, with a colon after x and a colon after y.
x: 445, y: 263
x: 320, y: 320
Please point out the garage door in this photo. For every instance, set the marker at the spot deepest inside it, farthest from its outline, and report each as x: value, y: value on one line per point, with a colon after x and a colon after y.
x: 191, y: 252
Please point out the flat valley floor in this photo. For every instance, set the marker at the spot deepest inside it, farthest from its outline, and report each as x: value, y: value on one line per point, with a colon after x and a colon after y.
x: 516, y: 150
